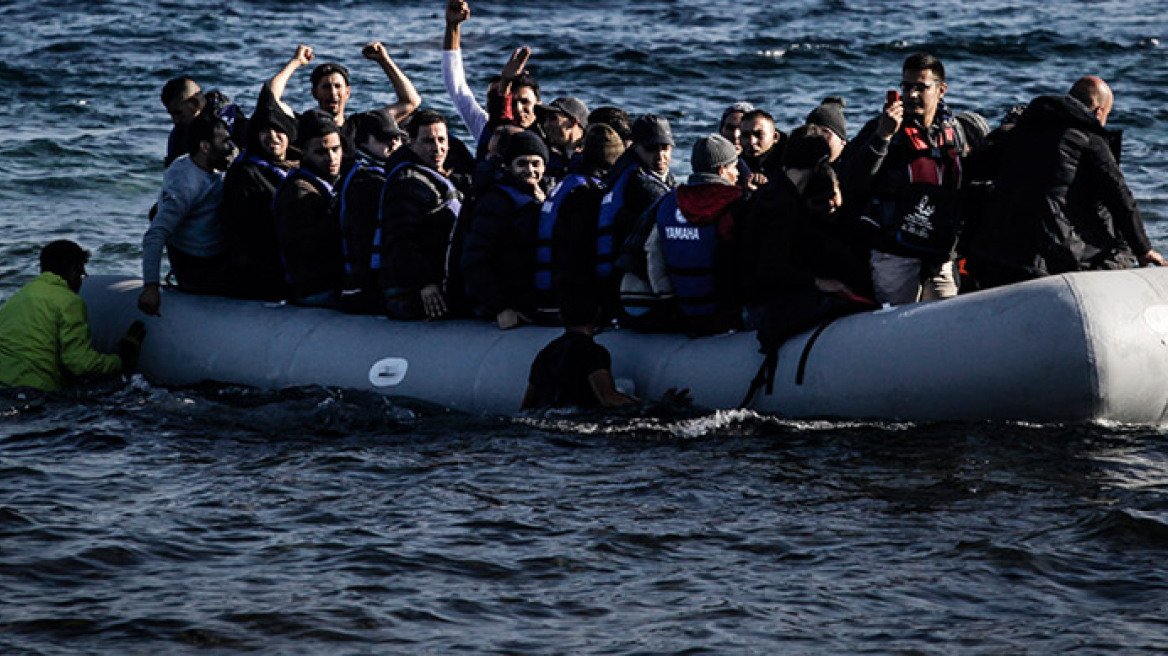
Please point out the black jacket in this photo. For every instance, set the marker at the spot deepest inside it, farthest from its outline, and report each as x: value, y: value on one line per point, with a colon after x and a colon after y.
x: 417, y: 216
x: 250, y: 230
x: 787, y: 240
x: 1060, y: 202
x: 498, y: 256
x: 309, y: 237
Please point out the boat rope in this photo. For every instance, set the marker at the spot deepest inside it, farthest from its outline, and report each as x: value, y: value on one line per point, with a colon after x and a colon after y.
x: 766, y: 372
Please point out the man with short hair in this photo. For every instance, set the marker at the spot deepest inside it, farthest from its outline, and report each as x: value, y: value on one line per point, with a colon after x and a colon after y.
x: 905, y: 179
x: 730, y: 126
x: 183, y: 99
x: 331, y: 88
x: 188, y: 223
x: 564, y: 121
x: 762, y: 146
x: 419, y: 205
x: 306, y: 228
x: 1060, y: 202
x: 44, y: 328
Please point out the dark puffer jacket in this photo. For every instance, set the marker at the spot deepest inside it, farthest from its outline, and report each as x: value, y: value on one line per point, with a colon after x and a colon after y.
x: 1060, y: 202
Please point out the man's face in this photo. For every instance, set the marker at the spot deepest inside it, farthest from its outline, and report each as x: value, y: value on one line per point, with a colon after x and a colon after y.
x: 732, y: 129
x: 758, y: 136
x: 562, y: 130
x: 655, y: 157
x: 528, y: 168
x: 431, y: 145
x: 322, y: 156
x: 220, y: 150
x: 331, y: 93
x: 274, y: 143
x: 523, y: 102
x: 921, y: 92
x: 186, y: 107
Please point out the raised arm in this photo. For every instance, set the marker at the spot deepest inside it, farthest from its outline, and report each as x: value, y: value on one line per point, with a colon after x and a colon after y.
x: 279, y: 81
x: 408, y: 98
x: 454, y: 74
x: 457, y: 11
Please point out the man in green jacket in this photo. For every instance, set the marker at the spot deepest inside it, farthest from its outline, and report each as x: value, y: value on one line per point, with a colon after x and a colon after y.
x: 44, y: 328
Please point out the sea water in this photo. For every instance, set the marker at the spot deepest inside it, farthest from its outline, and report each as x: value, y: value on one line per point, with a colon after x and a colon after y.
x: 221, y: 519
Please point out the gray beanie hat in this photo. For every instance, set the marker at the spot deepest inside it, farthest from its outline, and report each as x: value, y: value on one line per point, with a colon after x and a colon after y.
x: 712, y: 152
x: 830, y: 114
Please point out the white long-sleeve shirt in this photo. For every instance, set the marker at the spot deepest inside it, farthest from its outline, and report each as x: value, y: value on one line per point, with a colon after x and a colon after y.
x: 454, y: 77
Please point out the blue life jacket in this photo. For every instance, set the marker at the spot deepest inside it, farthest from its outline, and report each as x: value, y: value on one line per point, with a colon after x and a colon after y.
x: 345, y: 216
x: 610, y: 209
x: 610, y: 206
x: 445, y: 188
x: 547, y: 222
x: 248, y: 158
x: 689, y: 258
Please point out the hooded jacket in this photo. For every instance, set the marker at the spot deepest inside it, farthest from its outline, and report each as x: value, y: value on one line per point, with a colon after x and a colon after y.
x: 1060, y: 202
x: 691, y: 252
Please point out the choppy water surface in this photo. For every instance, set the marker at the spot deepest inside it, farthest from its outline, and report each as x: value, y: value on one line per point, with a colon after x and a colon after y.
x: 135, y: 519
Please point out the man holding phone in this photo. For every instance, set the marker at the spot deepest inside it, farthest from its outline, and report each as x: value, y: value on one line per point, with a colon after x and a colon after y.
x: 904, y: 175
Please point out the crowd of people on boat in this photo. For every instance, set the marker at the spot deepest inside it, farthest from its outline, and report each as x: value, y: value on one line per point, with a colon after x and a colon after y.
x: 558, y: 215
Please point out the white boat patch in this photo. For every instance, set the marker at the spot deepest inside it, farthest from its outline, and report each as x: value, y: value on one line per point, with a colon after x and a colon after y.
x: 1156, y: 316
x: 388, y: 372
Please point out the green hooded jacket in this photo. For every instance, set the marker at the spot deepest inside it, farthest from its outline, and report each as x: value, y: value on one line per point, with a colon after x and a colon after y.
x: 44, y: 337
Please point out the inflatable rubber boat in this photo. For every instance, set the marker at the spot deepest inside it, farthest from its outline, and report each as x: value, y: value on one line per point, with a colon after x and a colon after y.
x: 1071, y: 348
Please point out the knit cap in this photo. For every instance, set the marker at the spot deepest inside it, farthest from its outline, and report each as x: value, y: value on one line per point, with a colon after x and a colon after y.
x: 602, y: 146
x: 524, y: 143
x: 830, y: 114
x: 712, y: 152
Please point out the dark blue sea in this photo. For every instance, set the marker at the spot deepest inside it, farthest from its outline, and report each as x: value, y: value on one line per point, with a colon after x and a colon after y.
x: 136, y: 519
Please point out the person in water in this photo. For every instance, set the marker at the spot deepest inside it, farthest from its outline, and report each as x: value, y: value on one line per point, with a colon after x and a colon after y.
x: 573, y: 370
x: 188, y: 223
x: 44, y: 328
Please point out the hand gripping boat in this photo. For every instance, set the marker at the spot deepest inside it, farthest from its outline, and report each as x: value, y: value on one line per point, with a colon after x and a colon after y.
x: 1070, y: 348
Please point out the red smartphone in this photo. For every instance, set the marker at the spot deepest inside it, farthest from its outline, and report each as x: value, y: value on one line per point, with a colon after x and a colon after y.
x: 892, y: 96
